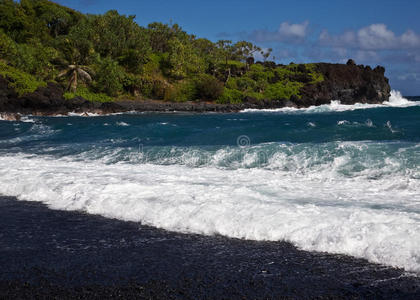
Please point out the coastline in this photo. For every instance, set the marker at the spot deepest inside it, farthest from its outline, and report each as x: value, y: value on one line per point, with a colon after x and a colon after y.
x: 84, y: 107
x: 74, y: 255
x: 349, y: 83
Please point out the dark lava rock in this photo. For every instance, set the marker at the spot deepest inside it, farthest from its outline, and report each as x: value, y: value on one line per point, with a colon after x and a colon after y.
x: 348, y: 83
x: 350, y: 62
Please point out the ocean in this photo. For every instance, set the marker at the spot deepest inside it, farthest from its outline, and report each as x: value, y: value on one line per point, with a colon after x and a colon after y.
x: 334, y: 178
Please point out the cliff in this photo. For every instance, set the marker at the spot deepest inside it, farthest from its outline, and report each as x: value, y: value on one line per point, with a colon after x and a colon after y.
x: 348, y: 83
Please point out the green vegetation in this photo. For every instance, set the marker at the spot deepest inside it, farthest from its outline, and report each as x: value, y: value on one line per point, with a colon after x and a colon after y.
x: 86, y: 94
x: 109, y: 56
x: 22, y: 82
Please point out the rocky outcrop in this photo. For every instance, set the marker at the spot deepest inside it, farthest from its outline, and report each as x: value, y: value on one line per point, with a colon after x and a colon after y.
x: 47, y: 101
x: 348, y: 83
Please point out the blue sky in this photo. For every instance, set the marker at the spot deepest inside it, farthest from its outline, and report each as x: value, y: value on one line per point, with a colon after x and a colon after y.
x: 383, y: 32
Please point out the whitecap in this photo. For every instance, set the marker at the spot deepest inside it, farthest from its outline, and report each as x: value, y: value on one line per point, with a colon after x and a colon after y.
x: 343, y: 122
x: 395, y: 100
x: 302, y: 195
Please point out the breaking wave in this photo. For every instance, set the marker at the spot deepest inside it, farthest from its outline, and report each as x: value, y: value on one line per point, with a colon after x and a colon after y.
x: 395, y: 100
x: 355, y: 198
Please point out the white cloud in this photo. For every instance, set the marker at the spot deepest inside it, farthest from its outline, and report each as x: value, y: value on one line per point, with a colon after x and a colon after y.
x: 347, y: 38
x: 410, y: 38
x: 293, y: 30
x: 409, y: 77
x: 372, y: 37
x: 287, y: 32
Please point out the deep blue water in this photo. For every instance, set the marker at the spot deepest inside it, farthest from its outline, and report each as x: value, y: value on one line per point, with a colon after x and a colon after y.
x: 178, y: 129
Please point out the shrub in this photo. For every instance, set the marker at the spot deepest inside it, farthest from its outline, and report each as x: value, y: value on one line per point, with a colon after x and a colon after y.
x: 208, y: 87
x: 132, y: 83
x: 230, y: 96
x: 283, y: 90
x: 90, y: 96
x: 34, y: 58
x: 159, y: 88
x: 246, y: 84
x: 109, y: 77
x: 153, y: 65
x: 316, y: 76
x: 20, y: 81
x: 254, y: 95
x: 259, y: 73
x: 181, y: 92
x: 8, y: 47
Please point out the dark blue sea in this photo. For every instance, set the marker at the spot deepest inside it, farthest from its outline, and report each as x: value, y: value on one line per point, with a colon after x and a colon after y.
x: 334, y: 178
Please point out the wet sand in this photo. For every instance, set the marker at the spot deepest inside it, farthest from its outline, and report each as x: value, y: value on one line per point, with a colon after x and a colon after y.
x: 65, y: 255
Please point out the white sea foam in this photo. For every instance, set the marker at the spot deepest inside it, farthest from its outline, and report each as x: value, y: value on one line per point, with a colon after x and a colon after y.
x: 396, y: 100
x: 26, y: 119
x: 343, y: 122
x: 122, y: 124
x: 296, y: 198
x: 91, y: 114
x: 84, y: 114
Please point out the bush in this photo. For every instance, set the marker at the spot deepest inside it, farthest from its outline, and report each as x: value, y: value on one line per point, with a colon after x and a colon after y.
x: 152, y: 67
x: 34, y: 58
x: 181, y: 92
x: 283, y: 90
x: 109, y: 77
x: 20, y: 81
x: 316, y: 76
x: 208, y: 87
x: 133, y: 60
x: 86, y: 94
x: 8, y: 47
x: 159, y: 88
x: 254, y: 95
x: 230, y: 96
x: 259, y: 73
x: 246, y: 84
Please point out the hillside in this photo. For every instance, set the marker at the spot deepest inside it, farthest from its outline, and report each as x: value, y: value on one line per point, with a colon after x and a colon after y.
x: 53, y: 58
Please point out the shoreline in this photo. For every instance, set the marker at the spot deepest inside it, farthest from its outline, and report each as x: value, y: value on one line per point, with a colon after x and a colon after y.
x: 84, y: 107
x: 72, y: 254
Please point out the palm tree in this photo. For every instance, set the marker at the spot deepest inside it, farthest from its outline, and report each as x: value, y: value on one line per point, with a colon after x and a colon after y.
x: 76, y: 73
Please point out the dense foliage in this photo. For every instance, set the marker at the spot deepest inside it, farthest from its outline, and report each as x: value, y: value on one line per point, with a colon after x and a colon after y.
x: 101, y: 57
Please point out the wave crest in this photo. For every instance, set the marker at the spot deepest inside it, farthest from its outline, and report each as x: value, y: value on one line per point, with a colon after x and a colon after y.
x: 347, y: 215
x: 395, y: 100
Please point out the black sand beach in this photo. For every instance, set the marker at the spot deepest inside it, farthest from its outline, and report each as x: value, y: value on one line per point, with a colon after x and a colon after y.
x: 68, y: 255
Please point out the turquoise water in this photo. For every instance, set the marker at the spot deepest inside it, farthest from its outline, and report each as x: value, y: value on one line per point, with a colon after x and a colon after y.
x: 341, y: 179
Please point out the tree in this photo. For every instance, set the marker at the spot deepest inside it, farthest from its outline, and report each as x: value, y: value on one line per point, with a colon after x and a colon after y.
x: 14, y: 21
x: 160, y: 35
x: 183, y: 59
x: 225, y: 49
x: 266, y: 54
x: 113, y: 34
x: 109, y: 77
x: 74, y: 74
x: 226, y: 52
x: 244, y: 49
x: 208, y: 51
